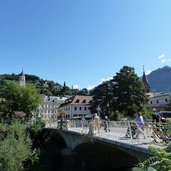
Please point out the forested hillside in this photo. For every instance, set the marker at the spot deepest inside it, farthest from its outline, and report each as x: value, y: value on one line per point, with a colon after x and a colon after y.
x: 159, y: 80
x: 46, y: 87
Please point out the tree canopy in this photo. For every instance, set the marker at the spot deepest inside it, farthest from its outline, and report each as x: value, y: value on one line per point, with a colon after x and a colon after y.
x: 16, y: 99
x: 129, y: 91
x: 124, y: 93
x: 46, y: 87
x: 15, y: 148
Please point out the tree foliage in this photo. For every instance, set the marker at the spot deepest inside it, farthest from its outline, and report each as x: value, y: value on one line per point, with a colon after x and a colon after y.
x: 102, y: 98
x: 129, y: 91
x: 46, y: 87
x: 15, y: 98
x: 161, y: 160
x: 15, y: 148
x: 125, y: 93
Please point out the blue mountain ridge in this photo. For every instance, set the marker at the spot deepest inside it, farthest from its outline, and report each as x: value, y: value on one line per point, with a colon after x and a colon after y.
x: 160, y: 80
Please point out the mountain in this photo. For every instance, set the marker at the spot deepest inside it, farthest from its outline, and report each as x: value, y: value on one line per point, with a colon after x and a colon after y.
x: 160, y: 79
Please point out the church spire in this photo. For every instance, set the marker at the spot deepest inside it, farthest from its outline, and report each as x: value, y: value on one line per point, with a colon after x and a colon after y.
x: 22, y: 79
x: 145, y: 81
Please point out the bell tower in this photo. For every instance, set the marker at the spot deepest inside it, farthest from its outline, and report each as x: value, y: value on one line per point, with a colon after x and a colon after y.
x: 22, y: 79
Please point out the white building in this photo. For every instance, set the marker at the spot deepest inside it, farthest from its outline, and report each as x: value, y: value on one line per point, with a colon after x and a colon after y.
x: 48, y: 109
x: 159, y: 100
x: 76, y: 107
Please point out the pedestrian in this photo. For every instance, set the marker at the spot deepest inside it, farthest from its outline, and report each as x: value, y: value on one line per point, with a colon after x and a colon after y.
x: 140, y: 125
x: 155, y: 116
x: 91, y: 127
x: 97, y: 122
x: 106, y: 124
x: 83, y: 122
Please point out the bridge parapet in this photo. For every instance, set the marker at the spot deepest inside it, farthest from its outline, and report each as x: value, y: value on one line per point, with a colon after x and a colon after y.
x: 78, y: 134
x: 123, y: 131
x: 74, y: 139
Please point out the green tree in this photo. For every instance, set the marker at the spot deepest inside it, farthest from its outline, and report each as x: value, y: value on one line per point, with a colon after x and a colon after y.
x: 124, y: 94
x: 15, y: 148
x: 102, y: 98
x: 161, y: 160
x: 128, y: 91
x: 84, y: 92
x: 65, y: 90
x: 15, y: 98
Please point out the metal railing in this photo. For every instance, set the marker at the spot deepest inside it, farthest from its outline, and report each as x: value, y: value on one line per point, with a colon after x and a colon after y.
x: 121, y: 130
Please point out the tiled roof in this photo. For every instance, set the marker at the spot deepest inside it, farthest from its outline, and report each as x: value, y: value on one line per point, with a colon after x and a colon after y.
x: 78, y: 99
x: 158, y: 94
x: 52, y: 98
x: 81, y: 99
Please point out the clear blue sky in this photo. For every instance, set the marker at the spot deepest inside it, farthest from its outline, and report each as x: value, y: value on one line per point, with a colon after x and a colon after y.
x: 83, y: 42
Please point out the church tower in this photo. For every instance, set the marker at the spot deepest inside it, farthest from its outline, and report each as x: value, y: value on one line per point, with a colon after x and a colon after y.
x: 145, y: 81
x: 22, y: 79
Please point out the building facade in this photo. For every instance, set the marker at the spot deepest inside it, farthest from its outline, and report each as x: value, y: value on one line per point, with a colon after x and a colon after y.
x: 48, y: 110
x: 159, y: 100
x: 76, y: 107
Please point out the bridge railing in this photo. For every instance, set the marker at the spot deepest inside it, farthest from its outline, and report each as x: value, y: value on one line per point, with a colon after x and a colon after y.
x: 151, y: 132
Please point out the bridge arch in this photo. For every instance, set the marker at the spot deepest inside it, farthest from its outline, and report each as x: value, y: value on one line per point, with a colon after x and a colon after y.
x: 97, y: 152
x: 103, y: 156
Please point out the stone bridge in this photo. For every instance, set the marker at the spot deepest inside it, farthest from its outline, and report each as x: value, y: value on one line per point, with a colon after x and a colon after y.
x: 101, y: 152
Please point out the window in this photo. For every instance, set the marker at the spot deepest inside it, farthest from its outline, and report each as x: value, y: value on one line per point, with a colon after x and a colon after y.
x: 80, y: 108
x: 75, y: 108
x: 157, y: 101
x: 85, y: 108
x: 84, y: 101
x: 77, y: 101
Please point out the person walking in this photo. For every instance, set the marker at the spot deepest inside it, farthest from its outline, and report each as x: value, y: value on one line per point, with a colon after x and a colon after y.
x: 97, y: 122
x: 155, y: 116
x: 106, y: 124
x: 83, y: 122
x: 140, y: 125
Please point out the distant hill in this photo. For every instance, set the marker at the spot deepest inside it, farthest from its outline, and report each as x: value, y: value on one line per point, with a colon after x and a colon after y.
x: 160, y: 79
x: 46, y: 87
